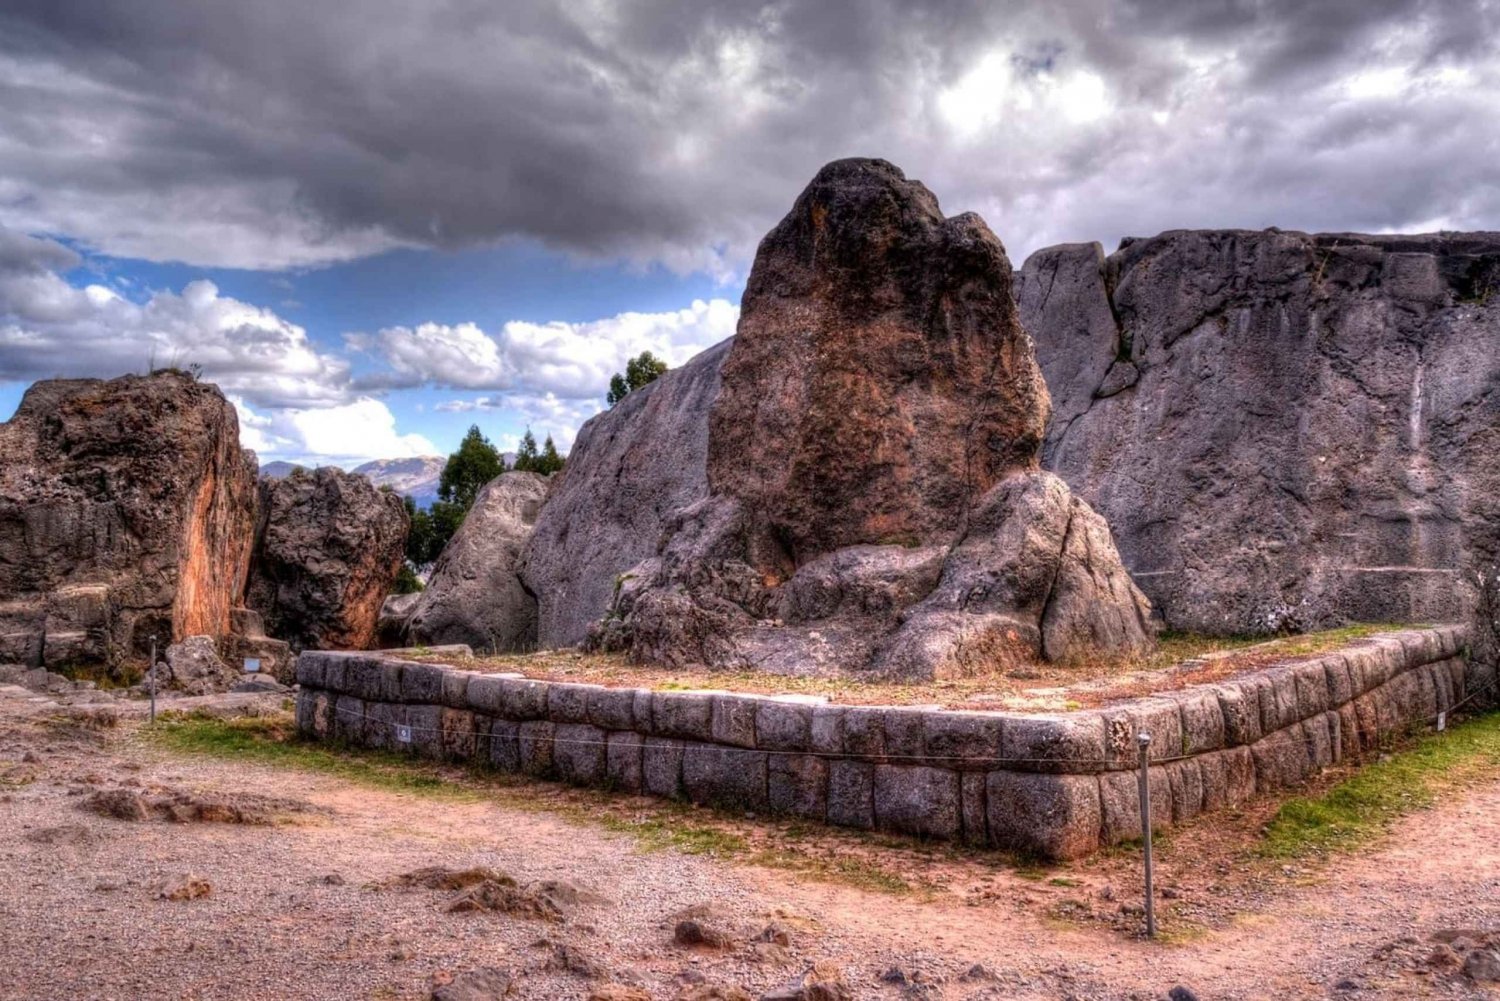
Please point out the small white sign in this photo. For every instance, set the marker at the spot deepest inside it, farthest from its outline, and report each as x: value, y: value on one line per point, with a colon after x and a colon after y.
x: 403, y: 733
x: 1442, y: 721
x: 252, y: 664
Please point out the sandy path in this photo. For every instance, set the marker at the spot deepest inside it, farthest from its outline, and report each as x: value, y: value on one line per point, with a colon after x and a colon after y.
x: 79, y: 917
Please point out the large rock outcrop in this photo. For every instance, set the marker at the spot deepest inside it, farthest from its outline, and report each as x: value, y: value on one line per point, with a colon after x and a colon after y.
x: 871, y: 495
x: 630, y: 469
x: 328, y: 547
x: 475, y: 595
x: 1285, y: 431
x: 127, y: 510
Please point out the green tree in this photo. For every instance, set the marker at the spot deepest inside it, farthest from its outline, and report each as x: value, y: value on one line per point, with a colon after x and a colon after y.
x: 527, y: 455
x: 640, y: 371
x: 549, y: 462
x: 407, y: 581
x: 474, y: 464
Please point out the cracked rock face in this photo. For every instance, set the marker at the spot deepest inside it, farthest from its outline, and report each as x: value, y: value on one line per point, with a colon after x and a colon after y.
x: 328, y: 550
x: 871, y: 498
x: 127, y: 509
x: 475, y: 595
x: 1284, y: 431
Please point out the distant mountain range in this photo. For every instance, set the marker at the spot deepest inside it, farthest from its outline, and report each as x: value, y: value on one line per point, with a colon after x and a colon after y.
x: 415, y: 478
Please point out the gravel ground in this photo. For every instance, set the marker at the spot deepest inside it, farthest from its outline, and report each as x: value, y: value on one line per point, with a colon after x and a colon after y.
x: 296, y: 909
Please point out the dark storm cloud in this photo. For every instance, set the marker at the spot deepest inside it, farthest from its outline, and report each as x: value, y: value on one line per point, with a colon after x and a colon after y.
x: 276, y: 134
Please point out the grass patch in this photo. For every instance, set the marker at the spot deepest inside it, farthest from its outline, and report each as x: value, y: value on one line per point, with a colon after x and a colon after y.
x: 1366, y: 803
x: 815, y: 853
x: 272, y: 740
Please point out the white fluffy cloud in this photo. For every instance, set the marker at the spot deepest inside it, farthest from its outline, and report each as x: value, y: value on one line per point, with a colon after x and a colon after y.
x: 569, y: 361
x: 49, y: 328
x: 546, y: 414
x: 341, y: 435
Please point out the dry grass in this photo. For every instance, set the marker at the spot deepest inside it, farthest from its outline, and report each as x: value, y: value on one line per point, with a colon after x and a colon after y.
x: 1181, y: 659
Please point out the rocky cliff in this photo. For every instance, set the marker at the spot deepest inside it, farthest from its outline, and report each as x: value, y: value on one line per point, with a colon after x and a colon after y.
x: 630, y: 469
x: 869, y: 496
x: 327, y: 549
x: 127, y: 510
x: 1284, y: 430
x: 475, y: 594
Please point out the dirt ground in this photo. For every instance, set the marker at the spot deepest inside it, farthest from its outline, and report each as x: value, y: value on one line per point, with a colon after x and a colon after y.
x: 301, y: 901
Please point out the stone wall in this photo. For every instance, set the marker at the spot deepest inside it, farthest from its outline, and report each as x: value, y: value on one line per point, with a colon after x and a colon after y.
x: 1055, y: 785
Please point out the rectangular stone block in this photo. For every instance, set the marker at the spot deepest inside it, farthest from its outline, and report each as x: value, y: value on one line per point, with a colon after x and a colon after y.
x: 505, y: 745
x: 1366, y: 664
x: 456, y: 688
x: 1185, y: 777
x: 1053, y: 816
x: 309, y: 673
x: 1421, y: 645
x: 969, y: 741
x: 732, y: 720
x: 349, y: 720
x: 623, y: 761
x: 1202, y: 720
x: 1120, y: 803
x: 379, y: 726
x: 612, y: 708
x: 783, y: 726
x: 851, y: 794
x: 372, y: 679
x: 1282, y: 759
x: 484, y: 695
x: 523, y: 699
x: 426, y: 722
x: 661, y: 766
x: 1072, y: 742
x: 334, y: 671
x: 1442, y: 681
x: 686, y: 715
x: 864, y: 732
x: 578, y: 753
x: 904, y: 729
x: 1312, y: 688
x: 459, y: 734
x: 797, y: 785
x: 421, y: 684
x: 1239, y: 706
x: 641, y: 709
x: 827, y: 733
x: 728, y: 777
x: 1159, y: 717
x: 569, y: 703
x: 914, y: 799
x: 304, y: 712
x: 1228, y: 777
x: 973, y: 810
x: 1339, y: 679
x: 535, y: 740
x: 1348, y: 731
x: 1279, y: 708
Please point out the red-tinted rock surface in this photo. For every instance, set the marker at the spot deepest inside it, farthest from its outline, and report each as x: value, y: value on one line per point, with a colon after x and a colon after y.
x: 127, y: 510
x: 872, y: 497
x: 327, y: 551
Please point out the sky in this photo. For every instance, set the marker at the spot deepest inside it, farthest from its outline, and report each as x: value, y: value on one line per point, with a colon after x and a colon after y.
x: 373, y: 223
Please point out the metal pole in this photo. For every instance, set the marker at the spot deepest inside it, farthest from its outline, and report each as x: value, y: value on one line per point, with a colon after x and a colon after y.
x: 1143, y: 741
x: 151, y: 673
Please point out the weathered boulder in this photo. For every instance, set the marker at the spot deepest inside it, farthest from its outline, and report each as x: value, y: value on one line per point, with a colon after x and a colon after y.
x: 127, y: 510
x: 873, y: 499
x: 475, y: 595
x: 395, y: 613
x: 630, y: 469
x: 1285, y: 431
x: 194, y: 666
x: 328, y: 548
